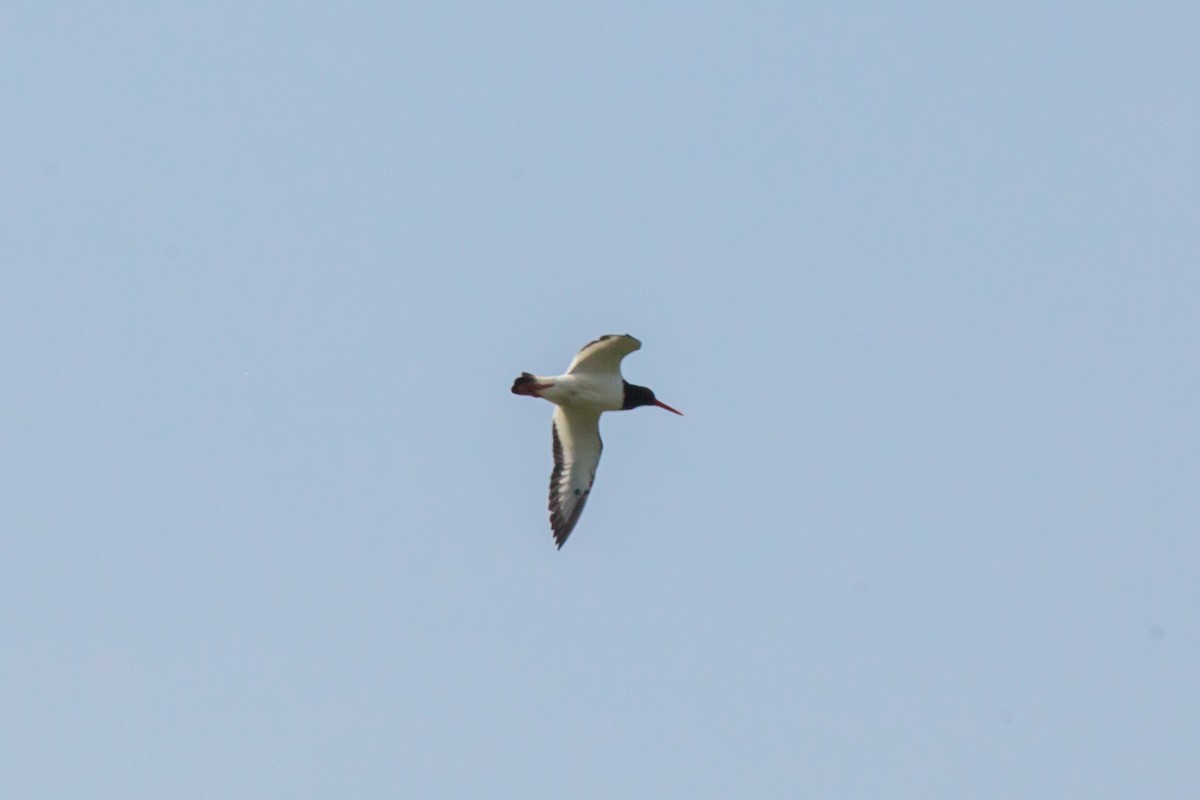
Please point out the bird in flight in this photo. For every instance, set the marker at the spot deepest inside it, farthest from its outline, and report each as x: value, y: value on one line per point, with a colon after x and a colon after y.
x: 591, y: 385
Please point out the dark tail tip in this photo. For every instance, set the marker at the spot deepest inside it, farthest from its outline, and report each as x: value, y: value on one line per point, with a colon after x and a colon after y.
x: 525, y: 378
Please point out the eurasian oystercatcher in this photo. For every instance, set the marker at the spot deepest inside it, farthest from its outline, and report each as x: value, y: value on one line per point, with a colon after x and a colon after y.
x: 591, y: 385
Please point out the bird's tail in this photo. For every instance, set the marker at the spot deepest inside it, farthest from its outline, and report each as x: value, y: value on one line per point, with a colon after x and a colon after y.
x: 524, y: 384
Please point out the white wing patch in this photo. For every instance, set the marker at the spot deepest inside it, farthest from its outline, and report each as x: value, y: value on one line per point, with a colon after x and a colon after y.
x: 603, y: 356
x: 577, y: 449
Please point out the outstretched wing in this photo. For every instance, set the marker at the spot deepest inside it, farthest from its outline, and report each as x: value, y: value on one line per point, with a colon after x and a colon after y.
x: 604, y: 354
x: 577, y: 449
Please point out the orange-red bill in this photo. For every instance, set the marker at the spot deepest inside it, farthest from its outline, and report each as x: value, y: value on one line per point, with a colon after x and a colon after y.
x: 661, y: 404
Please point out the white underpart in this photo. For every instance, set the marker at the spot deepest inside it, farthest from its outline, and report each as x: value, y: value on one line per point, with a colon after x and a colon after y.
x: 595, y: 392
x: 591, y: 385
x: 593, y: 380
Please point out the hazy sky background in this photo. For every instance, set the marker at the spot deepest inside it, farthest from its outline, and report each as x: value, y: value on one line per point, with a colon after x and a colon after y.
x: 924, y: 278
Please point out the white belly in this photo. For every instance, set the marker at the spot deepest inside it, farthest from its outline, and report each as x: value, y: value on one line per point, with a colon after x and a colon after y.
x: 586, y: 391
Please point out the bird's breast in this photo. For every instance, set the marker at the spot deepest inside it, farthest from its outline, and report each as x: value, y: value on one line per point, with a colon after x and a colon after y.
x: 586, y: 392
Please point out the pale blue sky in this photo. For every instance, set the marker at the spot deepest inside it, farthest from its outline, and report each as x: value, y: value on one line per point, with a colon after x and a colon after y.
x: 923, y: 277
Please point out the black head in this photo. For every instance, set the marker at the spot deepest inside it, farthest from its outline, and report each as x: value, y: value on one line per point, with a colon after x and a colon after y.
x: 641, y: 396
